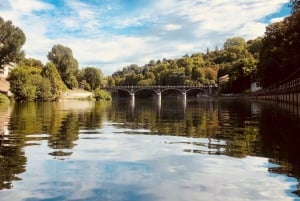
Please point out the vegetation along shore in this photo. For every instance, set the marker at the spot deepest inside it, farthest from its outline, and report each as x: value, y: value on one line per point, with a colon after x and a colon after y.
x: 271, y: 59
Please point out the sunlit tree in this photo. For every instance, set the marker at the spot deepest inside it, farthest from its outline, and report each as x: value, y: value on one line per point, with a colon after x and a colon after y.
x: 67, y: 66
x: 12, y: 39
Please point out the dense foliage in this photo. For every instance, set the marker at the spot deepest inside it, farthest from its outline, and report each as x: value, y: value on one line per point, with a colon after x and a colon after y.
x: 295, y: 4
x: 90, y: 78
x: 67, y: 66
x: 50, y: 72
x: 11, y: 41
x: 270, y: 59
x: 34, y: 84
x: 238, y: 59
x: 101, y: 94
x: 279, y: 58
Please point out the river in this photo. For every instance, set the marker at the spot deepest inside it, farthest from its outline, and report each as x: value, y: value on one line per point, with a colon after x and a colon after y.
x: 205, y: 149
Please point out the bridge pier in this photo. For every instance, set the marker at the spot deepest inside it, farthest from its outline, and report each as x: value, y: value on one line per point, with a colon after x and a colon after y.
x: 184, y: 97
x: 132, y: 95
x: 158, y: 99
x: 184, y: 100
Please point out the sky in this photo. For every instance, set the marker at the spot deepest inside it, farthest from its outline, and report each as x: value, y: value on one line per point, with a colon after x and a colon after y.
x: 112, y: 34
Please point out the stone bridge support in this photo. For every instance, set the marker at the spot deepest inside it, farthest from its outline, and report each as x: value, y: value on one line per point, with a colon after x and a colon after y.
x: 158, y: 90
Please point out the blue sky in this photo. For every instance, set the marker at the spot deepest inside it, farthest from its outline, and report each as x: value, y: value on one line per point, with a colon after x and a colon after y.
x: 111, y: 34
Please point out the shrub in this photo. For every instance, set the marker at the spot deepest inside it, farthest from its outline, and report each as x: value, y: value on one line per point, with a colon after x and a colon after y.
x: 101, y: 95
x: 3, y: 98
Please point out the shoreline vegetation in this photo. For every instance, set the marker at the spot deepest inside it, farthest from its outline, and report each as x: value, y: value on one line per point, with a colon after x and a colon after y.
x: 269, y: 61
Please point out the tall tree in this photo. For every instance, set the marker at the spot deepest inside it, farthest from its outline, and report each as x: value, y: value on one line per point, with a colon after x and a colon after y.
x: 50, y: 72
x: 295, y: 4
x: 67, y: 66
x: 12, y: 39
x: 235, y: 41
x: 279, y: 58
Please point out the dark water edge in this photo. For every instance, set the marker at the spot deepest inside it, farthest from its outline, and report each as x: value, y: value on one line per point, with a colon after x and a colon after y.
x: 135, y: 147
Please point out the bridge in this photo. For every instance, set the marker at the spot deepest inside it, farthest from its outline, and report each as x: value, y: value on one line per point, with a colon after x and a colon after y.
x: 158, y: 90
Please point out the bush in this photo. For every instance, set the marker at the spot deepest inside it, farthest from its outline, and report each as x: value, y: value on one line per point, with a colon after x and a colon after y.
x: 27, y: 84
x: 101, y: 95
x: 3, y: 98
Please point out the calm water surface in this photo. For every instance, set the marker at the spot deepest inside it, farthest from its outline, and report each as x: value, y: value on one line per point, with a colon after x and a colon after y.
x: 204, y: 150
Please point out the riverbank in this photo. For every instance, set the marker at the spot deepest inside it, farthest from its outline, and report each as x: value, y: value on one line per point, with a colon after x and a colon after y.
x: 4, y: 85
x: 77, y: 94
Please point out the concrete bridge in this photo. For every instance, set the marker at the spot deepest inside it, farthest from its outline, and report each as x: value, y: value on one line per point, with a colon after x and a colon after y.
x: 158, y: 90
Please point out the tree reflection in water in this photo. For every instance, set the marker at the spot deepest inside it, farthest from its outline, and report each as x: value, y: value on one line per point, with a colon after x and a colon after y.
x: 236, y: 128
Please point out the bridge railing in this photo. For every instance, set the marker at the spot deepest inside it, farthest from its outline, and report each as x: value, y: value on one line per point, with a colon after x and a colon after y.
x: 291, y: 86
x: 157, y: 86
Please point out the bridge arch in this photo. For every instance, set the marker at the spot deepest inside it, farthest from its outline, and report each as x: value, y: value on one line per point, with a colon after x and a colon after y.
x: 120, y: 90
x: 147, y: 89
x: 188, y: 91
x: 172, y: 89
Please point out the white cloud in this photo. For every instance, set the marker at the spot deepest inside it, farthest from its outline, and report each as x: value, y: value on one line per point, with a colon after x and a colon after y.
x: 29, y: 5
x: 172, y: 27
x: 251, y: 30
x: 71, y: 23
x: 276, y: 19
x: 108, y: 36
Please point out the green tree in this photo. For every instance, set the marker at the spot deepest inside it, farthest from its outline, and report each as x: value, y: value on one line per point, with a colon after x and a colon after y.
x: 67, y: 66
x: 93, y: 77
x: 235, y: 41
x: 35, y: 84
x: 254, y: 47
x: 31, y: 62
x: 21, y: 83
x: 101, y: 95
x: 11, y: 41
x: 295, y: 4
x: 50, y: 72
x: 42, y: 88
x: 279, y: 57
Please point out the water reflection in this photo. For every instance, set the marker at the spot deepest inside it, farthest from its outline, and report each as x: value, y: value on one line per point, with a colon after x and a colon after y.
x: 109, y: 150
x: 12, y: 157
x: 232, y: 121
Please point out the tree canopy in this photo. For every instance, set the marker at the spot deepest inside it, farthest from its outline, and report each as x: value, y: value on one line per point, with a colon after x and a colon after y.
x: 36, y: 84
x: 12, y: 39
x: 295, y: 4
x: 279, y: 56
x: 67, y: 66
x: 238, y: 60
x: 235, y: 42
x: 90, y: 77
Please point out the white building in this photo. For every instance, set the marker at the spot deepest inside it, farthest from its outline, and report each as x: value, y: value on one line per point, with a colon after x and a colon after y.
x: 255, y: 87
x: 5, y: 69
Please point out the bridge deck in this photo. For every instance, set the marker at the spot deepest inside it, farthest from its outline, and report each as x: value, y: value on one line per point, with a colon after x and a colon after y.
x: 161, y: 87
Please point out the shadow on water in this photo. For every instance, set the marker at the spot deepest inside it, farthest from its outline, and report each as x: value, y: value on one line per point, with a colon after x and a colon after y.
x: 279, y: 131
